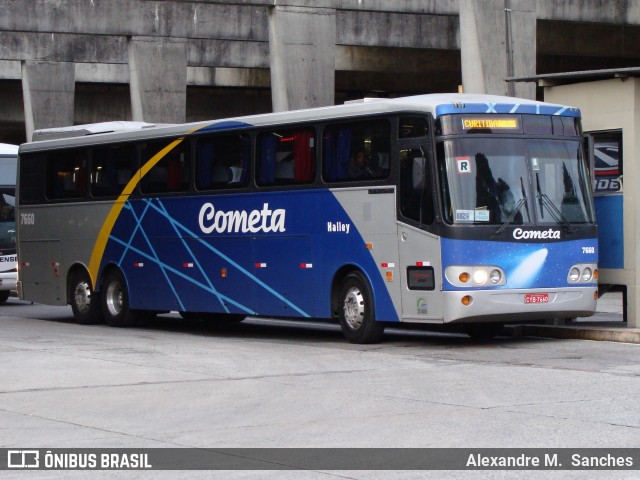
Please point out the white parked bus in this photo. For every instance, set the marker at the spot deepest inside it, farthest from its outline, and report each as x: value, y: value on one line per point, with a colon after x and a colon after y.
x: 454, y: 210
x: 8, y: 270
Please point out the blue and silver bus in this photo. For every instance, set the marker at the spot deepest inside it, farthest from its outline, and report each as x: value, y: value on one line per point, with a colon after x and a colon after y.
x: 8, y: 263
x: 453, y: 210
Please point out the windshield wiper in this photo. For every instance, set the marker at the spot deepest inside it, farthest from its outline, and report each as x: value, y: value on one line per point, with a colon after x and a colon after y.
x: 545, y: 201
x: 508, y: 221
x: 516, y: 210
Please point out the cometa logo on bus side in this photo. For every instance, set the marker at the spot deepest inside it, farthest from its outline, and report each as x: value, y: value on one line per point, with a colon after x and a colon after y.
x: 551, y: 234
x: 265, y: 220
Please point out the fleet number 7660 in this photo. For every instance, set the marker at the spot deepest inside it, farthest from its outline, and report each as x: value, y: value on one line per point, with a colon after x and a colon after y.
x: 27, y: 218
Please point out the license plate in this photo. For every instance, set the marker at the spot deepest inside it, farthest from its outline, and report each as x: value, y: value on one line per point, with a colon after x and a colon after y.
x: 536, y: 298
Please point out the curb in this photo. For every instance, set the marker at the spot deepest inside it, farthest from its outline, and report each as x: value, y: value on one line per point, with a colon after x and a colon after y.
x: 623, y: 335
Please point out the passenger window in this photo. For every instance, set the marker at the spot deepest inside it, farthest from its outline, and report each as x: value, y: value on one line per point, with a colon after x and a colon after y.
x: 222, y: 161
x: 286, y: 157
x: 356, y: 151
x: 32, y: 177
x: 67, y: 174
x: 111, y: 169
x: 413, y: 126
x: 171, y: 173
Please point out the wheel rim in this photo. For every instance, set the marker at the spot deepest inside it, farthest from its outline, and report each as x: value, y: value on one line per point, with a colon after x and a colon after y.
x: 113, y: 299
x: 82, y: 297
x: 353, y: 308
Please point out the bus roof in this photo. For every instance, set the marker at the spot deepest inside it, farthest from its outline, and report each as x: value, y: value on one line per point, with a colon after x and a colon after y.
x: 436, y: 104
x: 8, y: 149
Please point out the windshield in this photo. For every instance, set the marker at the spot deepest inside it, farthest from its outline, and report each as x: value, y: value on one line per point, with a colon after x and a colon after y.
x: 490, y: 181
x: 7, y: 220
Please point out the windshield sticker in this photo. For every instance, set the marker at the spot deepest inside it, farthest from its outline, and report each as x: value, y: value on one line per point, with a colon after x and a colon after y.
x: 464, y: 164
x: 482, y: 215
x: 464, y: 215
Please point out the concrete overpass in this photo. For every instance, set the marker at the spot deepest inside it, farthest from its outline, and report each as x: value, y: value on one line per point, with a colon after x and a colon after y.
x: 78, y: 61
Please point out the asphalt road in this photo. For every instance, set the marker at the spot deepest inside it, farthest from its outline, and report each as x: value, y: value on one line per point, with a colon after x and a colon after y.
x: 267, y: 383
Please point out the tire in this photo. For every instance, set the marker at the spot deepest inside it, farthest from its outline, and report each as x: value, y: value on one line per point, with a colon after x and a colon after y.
x: 356, y: 311
x: 4, y: 295
x: 115, y: 301
x: 85, y: 302
x: 483, y: 331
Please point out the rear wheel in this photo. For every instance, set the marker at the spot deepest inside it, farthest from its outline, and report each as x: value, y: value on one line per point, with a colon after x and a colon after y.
x: 356, y: 311
x: 115, y: 301
x: 85, y: 302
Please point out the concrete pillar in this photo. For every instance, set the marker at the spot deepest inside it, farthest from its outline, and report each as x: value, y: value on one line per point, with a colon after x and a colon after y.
x: 158, y: 79
x: 498, y: 40
x: 302, y: 45
x: 48, y: 89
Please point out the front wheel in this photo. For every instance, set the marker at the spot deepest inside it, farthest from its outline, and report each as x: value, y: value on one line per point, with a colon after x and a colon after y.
x: 115, y: 301
x: 85, y: 302
x: 357, y: 312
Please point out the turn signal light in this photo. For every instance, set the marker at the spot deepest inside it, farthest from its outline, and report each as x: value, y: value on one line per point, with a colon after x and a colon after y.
x: 466, y: 300
x: 464, y: 277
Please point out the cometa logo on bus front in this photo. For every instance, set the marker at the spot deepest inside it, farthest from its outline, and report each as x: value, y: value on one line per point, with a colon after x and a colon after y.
x: 520, y: 234
x: 255, y: 221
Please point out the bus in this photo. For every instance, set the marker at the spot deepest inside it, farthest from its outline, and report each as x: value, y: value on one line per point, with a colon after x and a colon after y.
x: 8, y: 258
x: 450, y: 210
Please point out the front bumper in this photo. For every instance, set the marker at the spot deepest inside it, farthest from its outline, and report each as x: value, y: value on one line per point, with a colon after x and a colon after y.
x: 510, y: 306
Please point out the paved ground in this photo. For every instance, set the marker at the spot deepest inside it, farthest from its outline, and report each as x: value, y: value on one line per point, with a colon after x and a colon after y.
x: 275, y: 384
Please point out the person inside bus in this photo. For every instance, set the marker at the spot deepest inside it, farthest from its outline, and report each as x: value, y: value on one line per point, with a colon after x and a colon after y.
x: 507, y: 202
x: 359, y: 166
x: 486, y: 188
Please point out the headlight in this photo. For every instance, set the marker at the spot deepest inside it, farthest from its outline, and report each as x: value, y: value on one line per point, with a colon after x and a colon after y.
x: 475, y: 276
x: 574, y: 274
x: 583, y: 273
x: 480, y: 277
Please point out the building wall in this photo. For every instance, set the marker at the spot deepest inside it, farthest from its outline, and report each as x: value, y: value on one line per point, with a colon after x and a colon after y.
x: 612, y: 105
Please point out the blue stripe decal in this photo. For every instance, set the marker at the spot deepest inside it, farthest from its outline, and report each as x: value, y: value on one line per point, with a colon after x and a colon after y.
x: 193, y: 257
x: 155, y: 258
x: 179, y: 273
x: 507, y: 108
x: 226, y: 125
x: 176, y: 226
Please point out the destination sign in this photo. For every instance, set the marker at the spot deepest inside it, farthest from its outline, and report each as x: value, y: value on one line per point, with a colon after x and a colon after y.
x: 492, y: 123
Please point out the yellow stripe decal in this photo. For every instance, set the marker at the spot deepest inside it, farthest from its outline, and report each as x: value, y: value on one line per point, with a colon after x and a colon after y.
x: 107, y: 226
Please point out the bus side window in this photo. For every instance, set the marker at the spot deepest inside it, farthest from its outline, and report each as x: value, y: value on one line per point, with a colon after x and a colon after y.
x: 67, y: 174
x: 171, y: 173
x: 32, y: 178
x: 111, y: 169
x: 286, y: 157
x: 222, y: 161
x: 356, y: 151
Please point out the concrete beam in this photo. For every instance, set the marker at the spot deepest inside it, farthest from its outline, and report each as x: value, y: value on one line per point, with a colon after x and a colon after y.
x: 48, y: 92
x: 302, y: 53
x: 158, y: 79
x: 396, y: 29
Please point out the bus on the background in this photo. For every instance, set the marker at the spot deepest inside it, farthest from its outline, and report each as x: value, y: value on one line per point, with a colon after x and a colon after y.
x: 453, y: 210
x: 8, y: 264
